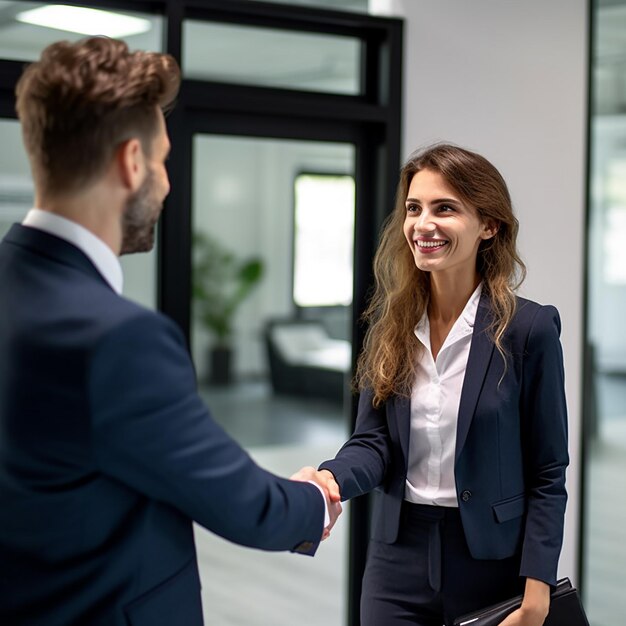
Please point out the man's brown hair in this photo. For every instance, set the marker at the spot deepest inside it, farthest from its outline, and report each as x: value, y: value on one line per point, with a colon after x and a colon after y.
x: 81, y: 100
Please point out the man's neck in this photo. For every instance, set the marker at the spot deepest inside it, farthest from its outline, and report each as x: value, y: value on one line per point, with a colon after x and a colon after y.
x: 96, y: 210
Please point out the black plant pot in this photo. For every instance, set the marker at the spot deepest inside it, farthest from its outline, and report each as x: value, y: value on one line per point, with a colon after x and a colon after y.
x: 221, y: 365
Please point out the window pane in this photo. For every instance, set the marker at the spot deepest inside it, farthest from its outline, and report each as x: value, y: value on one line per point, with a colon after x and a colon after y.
x: 323, y: 241
x: 24, y: 41
x: 140, y: 276
x: 271, y: 58
x: 16, y: 187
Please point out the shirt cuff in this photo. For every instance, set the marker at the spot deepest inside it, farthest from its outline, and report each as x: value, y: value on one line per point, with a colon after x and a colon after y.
x: 326, y: 515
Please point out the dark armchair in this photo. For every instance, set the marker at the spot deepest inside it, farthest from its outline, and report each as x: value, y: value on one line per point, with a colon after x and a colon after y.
x: 305, y: 361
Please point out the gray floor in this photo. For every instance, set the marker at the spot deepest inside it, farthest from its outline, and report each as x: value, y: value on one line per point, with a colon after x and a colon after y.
x: 605, y: 554
x: 254, y: 588
x: 256, y: 417
x: 242, y: 586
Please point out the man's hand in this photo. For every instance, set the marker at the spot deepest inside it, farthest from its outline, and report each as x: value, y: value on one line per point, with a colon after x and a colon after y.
x: 323, y: 478
x: 326, y: 481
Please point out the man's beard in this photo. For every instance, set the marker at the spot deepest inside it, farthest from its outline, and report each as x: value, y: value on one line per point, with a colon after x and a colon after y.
x: 140, y: 218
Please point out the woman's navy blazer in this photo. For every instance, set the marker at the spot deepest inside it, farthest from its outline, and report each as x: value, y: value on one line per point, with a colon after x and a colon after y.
x: 511, y: 446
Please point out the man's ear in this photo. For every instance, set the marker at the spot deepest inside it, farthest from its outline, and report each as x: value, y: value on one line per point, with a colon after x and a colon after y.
x: 131, y: 164
x: 490, y: 229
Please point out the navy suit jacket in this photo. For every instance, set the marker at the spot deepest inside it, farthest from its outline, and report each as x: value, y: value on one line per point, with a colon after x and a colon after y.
x: 511, y: 446
x: 107, y: 453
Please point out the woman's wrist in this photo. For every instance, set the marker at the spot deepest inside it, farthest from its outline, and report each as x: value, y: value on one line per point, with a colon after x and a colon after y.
x: 536, y: 599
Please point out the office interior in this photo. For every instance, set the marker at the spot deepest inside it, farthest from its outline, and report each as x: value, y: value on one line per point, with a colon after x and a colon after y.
x: 292, y: 123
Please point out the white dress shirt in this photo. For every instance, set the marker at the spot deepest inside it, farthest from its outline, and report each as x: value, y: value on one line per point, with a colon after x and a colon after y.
x: 93, y: 247
x: 435, y: 400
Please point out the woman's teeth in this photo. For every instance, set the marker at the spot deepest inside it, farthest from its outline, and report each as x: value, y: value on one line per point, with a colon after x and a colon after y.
x: 431, y: 244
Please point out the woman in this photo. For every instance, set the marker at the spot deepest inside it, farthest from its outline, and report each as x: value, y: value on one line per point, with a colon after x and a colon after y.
x: 462, y: 420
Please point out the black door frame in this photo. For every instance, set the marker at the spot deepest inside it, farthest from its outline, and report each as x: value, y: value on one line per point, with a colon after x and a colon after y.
x: 370, y: 121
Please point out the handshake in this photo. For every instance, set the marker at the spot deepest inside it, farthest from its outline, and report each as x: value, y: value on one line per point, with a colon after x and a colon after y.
x: 326, y: 481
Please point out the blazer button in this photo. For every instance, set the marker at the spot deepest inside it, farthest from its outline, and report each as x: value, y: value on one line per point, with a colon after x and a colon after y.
x: 466, y: 495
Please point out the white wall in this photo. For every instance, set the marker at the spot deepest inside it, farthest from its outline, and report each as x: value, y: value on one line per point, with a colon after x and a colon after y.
x: 508, y: 79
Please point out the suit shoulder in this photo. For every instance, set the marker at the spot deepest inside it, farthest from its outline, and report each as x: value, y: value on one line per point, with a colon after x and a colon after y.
x: 529, y: 310
x: 130, y: 318
x: 140, y: 346
x: 536, y: 320
x: 115, y: 319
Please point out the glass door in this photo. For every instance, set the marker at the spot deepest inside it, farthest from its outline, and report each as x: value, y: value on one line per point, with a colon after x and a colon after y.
x: 604, y: 539
x: 273, y: 247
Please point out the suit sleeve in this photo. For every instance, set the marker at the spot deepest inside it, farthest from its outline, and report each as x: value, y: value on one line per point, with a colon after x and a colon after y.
x: 152, y: 432
x: 362, y: 462
x: 544, y: 437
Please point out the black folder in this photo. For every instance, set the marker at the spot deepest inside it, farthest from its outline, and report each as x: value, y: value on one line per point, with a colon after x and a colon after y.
x: 566, y: 609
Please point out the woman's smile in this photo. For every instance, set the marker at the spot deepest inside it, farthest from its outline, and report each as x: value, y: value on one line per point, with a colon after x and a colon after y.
x: 428, y: 246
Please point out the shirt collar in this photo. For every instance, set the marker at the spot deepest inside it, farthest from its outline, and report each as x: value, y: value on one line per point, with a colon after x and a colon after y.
x: 93, y: 247
x: 463, y: 326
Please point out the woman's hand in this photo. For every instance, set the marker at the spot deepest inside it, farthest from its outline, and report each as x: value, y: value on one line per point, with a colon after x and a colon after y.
x: 535, y: 605
x: 523, y: 617
x: 326, y: 481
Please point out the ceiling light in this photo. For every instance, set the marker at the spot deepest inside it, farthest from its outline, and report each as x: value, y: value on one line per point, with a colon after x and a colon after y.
x: 85, y: 21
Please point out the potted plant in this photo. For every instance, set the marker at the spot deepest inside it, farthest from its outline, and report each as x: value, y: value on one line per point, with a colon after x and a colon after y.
x: 220, y: 283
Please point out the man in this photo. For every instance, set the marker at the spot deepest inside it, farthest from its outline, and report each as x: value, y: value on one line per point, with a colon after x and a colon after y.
x: 106, y: 451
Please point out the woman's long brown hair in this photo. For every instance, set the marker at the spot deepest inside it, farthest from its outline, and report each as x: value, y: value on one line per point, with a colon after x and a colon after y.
x: 388, y: 361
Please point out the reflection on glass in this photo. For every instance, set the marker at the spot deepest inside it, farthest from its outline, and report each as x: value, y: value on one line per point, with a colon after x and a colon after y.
x: 84, y: 21
x: 271, y: 57
x: 23, y: 41
x: 605, y: 514
x: 323, y: 247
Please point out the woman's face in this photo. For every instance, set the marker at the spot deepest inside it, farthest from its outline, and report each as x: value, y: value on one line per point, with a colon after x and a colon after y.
x: 442, y: 231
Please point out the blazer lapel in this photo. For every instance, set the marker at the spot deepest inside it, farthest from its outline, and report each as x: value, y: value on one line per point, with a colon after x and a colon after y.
x: 478, y: 361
